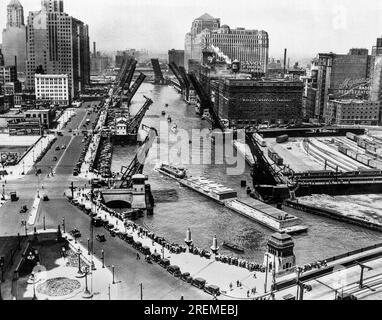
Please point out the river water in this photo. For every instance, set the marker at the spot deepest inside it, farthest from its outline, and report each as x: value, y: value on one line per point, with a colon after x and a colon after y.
x: 178, y: 208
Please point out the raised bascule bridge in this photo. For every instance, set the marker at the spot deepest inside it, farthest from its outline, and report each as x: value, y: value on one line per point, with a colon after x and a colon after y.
x: 129, y: 188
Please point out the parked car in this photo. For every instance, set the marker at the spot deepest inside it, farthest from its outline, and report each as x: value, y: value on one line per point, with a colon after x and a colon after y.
x: 24, y: 209
x: 186, y: 277
x: 58, y: 148
x: 213, y: 290
x: 100, y: 238
x: 199, y: 283
x: 75, y: 233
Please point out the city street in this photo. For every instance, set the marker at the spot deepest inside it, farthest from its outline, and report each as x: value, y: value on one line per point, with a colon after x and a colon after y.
x: 157, y: 282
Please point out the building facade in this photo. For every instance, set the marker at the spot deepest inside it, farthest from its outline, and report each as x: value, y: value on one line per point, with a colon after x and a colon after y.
x: 376, y: 72
x: 250, y: 47
x: 58, y: 44
x: 341, y: 75
x: 14, y: 37
x: 53, y: 89
x: 353, y: 112
x: 45, y: 116
x: 251, y: 102
x: 177, y: 57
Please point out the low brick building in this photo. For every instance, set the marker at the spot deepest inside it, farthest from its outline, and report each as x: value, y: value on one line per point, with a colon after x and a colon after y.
x: 353, y: 112
x: 250, y: 102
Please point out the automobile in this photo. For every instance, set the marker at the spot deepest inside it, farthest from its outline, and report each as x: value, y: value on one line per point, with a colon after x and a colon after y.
x: 186, y: 277
x: 213, y: 290
x: 14, y: 197
x: 59, y: 133
x: 70, y: 130
x: 100, y: 238
x: 45, y: 198
x: 24, y: 209
x: 63, y: 147
x: 199, y: 283
x: 75, y: 233
x: 97, y: 223
x: 54, y: 159
x: 75, y: 173
x: 164, y: 263
x: 289, y: 297
x: 58, y: 148
x: 83, y: 141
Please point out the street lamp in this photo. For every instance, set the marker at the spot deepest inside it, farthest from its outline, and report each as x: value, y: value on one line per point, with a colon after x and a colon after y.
x: 79, y: 252
x: 103, y: 258
x: 87, y: 293
x: 34, y: 286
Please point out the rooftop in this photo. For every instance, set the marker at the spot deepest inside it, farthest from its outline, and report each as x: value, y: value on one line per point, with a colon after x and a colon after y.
x: 206, y: 16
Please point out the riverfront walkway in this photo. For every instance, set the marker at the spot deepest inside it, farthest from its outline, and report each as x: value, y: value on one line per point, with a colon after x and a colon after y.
x: 214, y: 272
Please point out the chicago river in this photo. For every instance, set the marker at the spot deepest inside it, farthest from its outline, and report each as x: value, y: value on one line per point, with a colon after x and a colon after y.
x: 178, y: 208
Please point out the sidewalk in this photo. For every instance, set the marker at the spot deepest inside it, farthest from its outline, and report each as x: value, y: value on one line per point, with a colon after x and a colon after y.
x: 27, y: 163
x: 214, y: 272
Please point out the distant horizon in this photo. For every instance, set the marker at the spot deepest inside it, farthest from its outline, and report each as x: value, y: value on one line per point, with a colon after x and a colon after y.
x: 304, y: 27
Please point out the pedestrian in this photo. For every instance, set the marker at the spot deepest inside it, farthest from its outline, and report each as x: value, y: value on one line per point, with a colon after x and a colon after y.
x: 254, y: 276
x: 138, y: 256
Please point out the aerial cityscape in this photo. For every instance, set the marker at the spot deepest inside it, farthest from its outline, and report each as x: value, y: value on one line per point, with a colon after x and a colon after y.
x: 234, y: 166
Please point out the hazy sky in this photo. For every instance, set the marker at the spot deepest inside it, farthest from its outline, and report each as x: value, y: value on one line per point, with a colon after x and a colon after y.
x: 305, y: 27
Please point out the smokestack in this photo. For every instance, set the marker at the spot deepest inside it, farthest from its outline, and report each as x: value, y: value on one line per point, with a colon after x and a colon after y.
x: 16, y: 63
x: 285, y: 57
x: 94, y: 49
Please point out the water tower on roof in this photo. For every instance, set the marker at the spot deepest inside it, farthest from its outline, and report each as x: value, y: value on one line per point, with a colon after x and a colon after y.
x: 235, y: 66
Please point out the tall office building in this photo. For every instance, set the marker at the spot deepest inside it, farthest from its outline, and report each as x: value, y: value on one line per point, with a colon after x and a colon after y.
x: 57, y: 44
x: 338, y: 74
x: 250, y: 47
x: 14, y: 36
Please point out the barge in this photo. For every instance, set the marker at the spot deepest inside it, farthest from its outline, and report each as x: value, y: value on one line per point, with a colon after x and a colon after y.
x: 255, y: 210
x: 275, y: 219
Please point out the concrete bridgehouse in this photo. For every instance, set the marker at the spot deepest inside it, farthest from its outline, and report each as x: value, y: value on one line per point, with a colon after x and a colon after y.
x: 249, y: 102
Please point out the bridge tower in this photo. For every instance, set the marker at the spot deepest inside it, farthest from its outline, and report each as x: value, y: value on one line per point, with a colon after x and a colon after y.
x: 139, y: 194
x: 279, y: 256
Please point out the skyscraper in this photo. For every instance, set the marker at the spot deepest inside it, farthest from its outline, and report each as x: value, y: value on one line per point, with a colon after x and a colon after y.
x: 14, y: 36
x: 58, y: 44
x: 250, y: 47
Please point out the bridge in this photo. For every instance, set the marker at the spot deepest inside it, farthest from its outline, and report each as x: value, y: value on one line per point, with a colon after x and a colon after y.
x: 117, y: 198
x: 159, y: 79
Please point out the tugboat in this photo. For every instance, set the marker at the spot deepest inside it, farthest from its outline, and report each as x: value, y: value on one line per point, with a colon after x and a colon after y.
x: 233, y: 247
x: 179, y: 173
